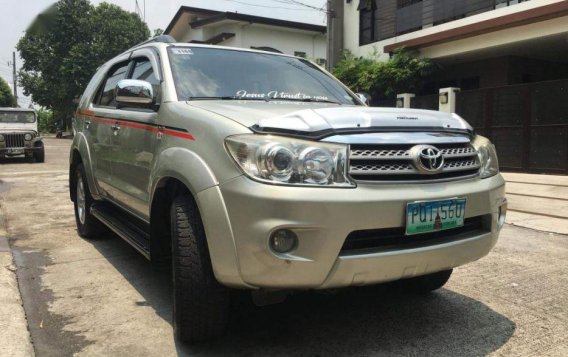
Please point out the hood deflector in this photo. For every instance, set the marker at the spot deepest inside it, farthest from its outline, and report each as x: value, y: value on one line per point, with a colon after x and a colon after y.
x: 322, y: 134
x: 317, y: 124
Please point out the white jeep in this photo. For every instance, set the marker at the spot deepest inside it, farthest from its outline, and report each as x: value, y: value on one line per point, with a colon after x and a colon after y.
x: 19, y: 135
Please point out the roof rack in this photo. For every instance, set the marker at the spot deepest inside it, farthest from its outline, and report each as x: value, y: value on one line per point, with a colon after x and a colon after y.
x: 159, y: 38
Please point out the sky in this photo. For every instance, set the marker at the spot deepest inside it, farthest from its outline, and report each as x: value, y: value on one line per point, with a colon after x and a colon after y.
x: 16, y: 15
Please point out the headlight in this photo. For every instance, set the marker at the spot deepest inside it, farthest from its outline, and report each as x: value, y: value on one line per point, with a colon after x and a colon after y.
x: 487, y: 157
x: 2, y: 137
x: 28, y: 137
x: 287, y: 161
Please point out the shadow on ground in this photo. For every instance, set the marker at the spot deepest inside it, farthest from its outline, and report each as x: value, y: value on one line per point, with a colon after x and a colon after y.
x: 16, y: 160
x: 358, y: 321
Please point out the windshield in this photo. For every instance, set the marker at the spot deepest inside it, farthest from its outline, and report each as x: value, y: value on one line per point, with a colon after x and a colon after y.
x: 213, y: 73
x: 17, y: 117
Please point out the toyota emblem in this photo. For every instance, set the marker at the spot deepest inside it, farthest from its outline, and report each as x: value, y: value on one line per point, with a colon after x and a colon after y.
x: 427, y: 159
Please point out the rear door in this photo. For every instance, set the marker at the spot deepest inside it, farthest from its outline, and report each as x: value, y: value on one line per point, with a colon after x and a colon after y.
x: 103, y: 121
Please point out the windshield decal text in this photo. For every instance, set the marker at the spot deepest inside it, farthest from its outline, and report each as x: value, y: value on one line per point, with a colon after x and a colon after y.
x: 243, y: 94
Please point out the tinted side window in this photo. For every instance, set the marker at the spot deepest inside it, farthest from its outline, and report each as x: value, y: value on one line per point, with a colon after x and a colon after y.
x: 143, y: 71
x: 106, y: 97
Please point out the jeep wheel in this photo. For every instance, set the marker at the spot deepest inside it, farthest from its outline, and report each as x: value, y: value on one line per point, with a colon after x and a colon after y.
x: 39, y: 155
x: 426, y: 283
x: 200, y: 303
x: 87, y: 225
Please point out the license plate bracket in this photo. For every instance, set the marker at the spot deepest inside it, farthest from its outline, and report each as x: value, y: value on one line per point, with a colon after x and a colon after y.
x: 433, y: 216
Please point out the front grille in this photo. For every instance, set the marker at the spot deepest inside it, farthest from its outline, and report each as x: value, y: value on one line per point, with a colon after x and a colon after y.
x: 394, y: 163
x: 14, y: 140
x: 388, y: 239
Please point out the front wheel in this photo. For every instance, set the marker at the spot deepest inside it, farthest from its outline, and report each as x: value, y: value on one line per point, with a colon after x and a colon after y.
x: 426, y: 283
x: 201, y: 304
x: 39, y: 154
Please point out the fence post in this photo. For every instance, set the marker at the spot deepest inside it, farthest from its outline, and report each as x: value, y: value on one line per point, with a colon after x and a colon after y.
x: 403, y: 100
x: 447, y: 99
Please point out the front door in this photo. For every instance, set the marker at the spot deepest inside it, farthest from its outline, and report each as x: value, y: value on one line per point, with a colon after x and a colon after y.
x: 135, y: 133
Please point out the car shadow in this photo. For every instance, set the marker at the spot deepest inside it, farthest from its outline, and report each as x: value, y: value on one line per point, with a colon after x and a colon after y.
x: 16, y: 160
x: 376, y: 320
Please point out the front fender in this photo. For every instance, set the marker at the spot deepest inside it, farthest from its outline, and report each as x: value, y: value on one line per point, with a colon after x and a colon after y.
x: 191, y: 170
x: 185, y: 166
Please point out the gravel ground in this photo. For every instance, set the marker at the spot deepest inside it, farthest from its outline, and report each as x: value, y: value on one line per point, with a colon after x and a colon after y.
x: 100, y: 297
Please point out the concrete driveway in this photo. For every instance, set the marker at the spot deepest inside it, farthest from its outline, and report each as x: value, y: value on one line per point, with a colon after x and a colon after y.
x: 100, y: 297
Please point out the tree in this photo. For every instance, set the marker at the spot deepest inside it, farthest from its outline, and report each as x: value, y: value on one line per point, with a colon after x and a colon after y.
x: 65, y: 45
x: 45, y: 121
x: 403, y: 72
x: 7, y: 99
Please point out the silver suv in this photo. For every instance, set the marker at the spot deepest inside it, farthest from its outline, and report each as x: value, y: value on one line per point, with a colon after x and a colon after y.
x: 252, y: 170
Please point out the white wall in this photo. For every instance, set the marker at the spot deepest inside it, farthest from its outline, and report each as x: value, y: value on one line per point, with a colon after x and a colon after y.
x: 351, y: 31
x: 252, y: 35
x: 314, y: 45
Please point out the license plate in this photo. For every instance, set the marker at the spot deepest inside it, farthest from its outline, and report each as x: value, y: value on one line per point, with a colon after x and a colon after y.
x: 15, y: 151
x: 432, y: 216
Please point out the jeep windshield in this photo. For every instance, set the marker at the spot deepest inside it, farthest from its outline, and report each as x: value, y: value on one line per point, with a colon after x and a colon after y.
x: 224, y: 74
x: 17, y: 117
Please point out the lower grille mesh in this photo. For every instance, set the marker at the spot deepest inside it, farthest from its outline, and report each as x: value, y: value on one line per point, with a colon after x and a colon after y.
x: 379, y: 240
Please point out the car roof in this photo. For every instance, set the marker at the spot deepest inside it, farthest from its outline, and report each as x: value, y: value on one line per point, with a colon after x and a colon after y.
x: 200, y: 45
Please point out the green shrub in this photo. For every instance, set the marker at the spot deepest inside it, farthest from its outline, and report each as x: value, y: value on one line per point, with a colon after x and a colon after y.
x: 404, y: 72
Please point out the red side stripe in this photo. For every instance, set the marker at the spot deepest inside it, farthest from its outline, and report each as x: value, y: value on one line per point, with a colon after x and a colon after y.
x: 178, y: 134
x: 150, y: 128
x: 87, y: 112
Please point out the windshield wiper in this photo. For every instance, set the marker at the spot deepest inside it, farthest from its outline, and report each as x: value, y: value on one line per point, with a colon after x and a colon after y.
x: 229, y: 97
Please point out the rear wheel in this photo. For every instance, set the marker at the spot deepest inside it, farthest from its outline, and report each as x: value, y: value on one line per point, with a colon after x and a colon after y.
x: 87, y: 225
x: 201, y: 304
x: 426, y: 283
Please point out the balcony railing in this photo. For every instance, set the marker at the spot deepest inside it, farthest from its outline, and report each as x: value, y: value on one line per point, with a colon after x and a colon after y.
x: 382, y: 19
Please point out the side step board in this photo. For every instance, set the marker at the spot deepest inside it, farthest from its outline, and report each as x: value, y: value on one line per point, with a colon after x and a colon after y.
x: 129, y: 228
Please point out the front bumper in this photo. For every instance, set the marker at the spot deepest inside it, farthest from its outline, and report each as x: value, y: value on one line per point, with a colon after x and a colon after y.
x: 240, y: 215
x: 9, y: 152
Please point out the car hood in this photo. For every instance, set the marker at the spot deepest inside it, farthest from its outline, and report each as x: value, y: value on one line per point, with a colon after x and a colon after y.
x: 17, y: 127
x: 320, y: 120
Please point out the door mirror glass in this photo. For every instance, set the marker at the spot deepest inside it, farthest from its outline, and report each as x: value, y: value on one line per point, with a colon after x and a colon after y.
x: 133, y: 92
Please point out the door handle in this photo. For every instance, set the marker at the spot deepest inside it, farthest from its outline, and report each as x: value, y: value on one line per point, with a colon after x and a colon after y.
x: 87, y: 124
x: 115, y: 128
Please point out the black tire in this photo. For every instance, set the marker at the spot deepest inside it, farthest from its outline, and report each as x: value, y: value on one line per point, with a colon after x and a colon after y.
x: 39, y: 155
x: 426, y: 283
x: 89, y: 226
x: 200, y: 303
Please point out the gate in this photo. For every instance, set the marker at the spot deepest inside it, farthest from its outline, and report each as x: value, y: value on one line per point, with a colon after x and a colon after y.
x: 528, y: 123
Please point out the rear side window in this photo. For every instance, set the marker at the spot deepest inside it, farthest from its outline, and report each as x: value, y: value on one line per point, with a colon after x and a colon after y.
x: 106, y: 95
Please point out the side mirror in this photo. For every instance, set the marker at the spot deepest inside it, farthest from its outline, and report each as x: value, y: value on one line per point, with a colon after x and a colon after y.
x: 130, y: 92
x: 364, y: 97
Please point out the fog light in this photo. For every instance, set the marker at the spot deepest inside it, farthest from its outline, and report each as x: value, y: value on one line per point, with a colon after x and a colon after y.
x: 283, y: 241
